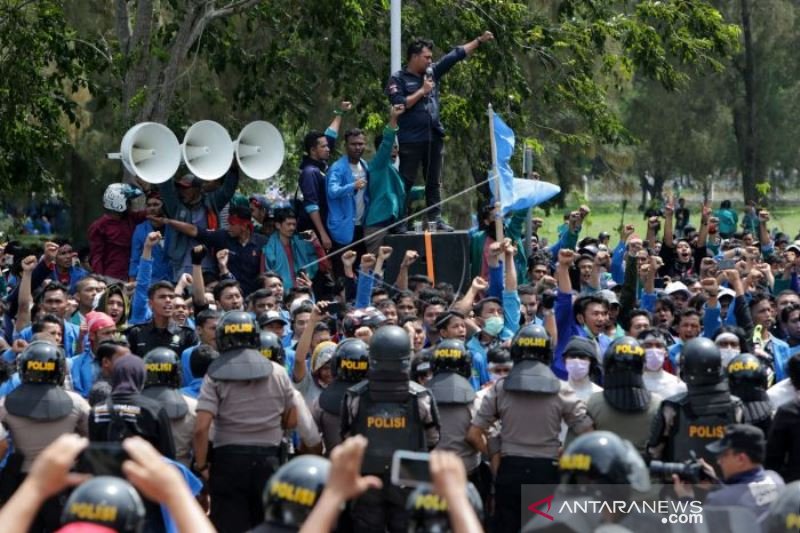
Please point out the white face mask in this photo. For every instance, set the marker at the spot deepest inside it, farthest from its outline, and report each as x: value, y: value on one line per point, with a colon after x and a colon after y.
x: 727, y: 355
x: 577, y: 369
x: 654, y: 359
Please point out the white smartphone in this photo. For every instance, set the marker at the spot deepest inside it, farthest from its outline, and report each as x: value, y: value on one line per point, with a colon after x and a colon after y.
x: 411, y: 469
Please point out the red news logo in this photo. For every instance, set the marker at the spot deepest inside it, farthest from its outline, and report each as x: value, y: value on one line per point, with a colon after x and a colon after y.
x: 534, y: 507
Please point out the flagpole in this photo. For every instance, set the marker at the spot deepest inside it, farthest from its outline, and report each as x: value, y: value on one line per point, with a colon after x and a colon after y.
x: 498, y: 215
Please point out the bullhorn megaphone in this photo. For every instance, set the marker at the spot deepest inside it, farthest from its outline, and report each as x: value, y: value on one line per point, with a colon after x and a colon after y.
x: 207, y: 150
x: 260, y: 150
x: 150, y: 151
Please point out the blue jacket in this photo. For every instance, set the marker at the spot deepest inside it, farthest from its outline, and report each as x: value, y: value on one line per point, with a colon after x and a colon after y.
x: 71, y: 334
x: 84, y: 372
x: 341, y: 189
x: 568, y: 327
x: 161, y: 267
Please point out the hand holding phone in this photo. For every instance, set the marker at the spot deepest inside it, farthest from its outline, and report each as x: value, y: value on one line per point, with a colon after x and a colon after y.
x: 102, y: 459
x: 411, y: 469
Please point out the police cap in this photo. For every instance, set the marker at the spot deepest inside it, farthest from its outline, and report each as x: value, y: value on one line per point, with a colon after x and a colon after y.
x: 108, y: 501
x: 271, y: 347
x: 450, y: 355
x: 532, y: 342
x: 294, y: 489
x: 163, y: 368
x: 42, y: 362
x: 236, y: 329
x: 351, y: 360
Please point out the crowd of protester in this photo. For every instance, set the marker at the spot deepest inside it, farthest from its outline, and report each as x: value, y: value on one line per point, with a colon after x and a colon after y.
x: 249, y: 365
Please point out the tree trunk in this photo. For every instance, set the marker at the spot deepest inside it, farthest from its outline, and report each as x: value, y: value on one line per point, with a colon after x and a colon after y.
x: 80, y: 178
x: 745, y: 118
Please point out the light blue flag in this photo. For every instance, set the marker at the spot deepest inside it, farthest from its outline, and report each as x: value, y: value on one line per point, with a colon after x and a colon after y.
x: 515, y: 193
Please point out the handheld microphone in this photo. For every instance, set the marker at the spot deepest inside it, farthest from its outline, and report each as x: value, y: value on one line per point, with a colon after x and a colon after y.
x: 429, y: 73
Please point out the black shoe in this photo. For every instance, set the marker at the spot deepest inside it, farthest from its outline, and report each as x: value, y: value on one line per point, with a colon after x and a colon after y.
x: 441, y: 225
x: 400, y: 229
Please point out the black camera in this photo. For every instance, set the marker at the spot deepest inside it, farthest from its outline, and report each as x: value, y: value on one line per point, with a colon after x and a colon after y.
x: 691, y: 470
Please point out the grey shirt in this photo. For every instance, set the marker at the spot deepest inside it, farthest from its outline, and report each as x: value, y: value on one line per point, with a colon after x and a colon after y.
x: 455, y: 421
x: 531, y: 422
x: 248, y: 412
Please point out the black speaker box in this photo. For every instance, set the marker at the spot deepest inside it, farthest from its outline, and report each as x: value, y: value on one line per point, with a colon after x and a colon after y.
x: 451, y: 257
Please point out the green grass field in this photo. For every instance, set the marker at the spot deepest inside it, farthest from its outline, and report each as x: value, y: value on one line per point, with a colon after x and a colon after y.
x: 607, y: 218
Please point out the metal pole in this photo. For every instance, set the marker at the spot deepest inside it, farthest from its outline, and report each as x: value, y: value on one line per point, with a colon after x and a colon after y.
x: 395, y: 36
x: 527, y: 170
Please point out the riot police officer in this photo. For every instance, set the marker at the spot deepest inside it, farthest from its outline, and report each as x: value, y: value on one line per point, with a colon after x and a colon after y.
x: 747, y: 377
x: 271, y: 347
x: 106, y: 501
x: 784, y: 514
x: 291, y: 493
x: 36, y: 413
x: 625, y: 406
x: 250, y: 400
x: 596, y: 465
x: 393, y: 413
x: 350, y: 366
x: 531, y: 403
x: 162, y: 385
x: 689, y: 421
x: 455, y: 399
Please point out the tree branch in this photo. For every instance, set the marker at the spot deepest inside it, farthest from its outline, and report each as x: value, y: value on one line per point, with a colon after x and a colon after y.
x: 233, y: 8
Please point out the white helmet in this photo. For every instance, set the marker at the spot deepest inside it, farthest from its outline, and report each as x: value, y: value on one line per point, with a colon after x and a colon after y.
x: 114, y: 199
x: 323, y: 354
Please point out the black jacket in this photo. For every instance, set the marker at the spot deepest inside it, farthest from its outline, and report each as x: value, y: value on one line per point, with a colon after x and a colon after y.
x: 783, y: 444
x: 145, y: 337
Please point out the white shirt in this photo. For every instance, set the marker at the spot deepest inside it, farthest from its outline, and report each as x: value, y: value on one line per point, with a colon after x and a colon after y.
x: 663, y: 383
x: 781, y: 393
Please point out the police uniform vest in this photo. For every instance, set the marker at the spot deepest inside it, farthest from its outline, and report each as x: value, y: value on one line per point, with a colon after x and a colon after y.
x: 388, y: 425
x: 451, y: 388
x: 330, y: 400
x: 171, y: 399
x: 532, y: 376
x: 240, y: 364
x: 39, y: 401
x: 701, y: 417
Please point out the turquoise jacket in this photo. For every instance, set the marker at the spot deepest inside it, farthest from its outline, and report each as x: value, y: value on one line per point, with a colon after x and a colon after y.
x: 386, y: 191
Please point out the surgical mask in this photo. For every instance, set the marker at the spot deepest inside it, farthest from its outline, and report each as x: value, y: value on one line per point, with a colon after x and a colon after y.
x: 577, y: 369
x: 493, y: 325
x: 727, y: 355
x: 654, y: 359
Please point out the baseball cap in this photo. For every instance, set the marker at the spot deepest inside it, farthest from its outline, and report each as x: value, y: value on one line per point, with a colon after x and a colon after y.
x: 726, y: 292
x: 259, y: 200
x: 742, y: 437
x: 795, y: 247
x: 609, y: 296
x: 269, y: 317
x: 677, y: 286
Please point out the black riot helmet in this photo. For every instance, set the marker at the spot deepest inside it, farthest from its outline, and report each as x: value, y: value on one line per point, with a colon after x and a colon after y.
x: 421, y: 370
x: 294, y: 489
x: 271, y: 347
x: 236, y: 329
x: 532, y: 342
x: 701, y: 363
x: 784, y: 513
x: 390, y: 351
x: 42, y: 362
x: 746, y: 372
x: 428, y: 511
x: 624, y: 355
x: 451, y: 355
x: 163, y: 368
x: 351, y: 361
x: 107, y: 501
x: 601, y: 458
